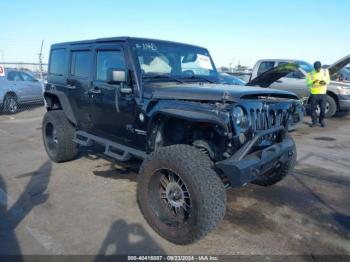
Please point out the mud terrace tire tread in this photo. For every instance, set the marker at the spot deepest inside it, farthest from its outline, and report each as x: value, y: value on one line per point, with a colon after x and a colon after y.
x: 67, y: 149
x: 271, y: 179
x: 209, y: 192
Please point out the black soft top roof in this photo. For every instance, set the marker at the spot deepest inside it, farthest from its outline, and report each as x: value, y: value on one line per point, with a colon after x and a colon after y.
x: 114, y: 39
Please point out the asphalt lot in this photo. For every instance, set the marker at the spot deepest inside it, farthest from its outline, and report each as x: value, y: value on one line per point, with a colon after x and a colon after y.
x: 88, y: 206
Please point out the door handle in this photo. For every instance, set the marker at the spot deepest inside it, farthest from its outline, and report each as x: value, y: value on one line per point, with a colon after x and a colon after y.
x: 95, y: 91
x: 279, y: 81
x: 71, y: 86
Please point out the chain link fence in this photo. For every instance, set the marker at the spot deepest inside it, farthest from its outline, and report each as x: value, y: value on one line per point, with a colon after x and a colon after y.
x: 21, y: 87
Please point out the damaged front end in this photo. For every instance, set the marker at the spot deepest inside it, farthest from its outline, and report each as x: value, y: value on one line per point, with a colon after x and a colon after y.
x: 260, y: 142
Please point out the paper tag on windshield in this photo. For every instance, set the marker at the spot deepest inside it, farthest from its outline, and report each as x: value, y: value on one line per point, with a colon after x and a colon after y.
x: 204, y: 62
x: 2, y: 70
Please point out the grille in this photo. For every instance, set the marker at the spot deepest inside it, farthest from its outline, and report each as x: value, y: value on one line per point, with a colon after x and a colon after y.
x: 267, y: 117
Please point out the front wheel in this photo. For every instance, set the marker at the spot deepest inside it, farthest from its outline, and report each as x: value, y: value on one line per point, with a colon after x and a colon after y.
x: 10, y: 104
x: 331, y: 107
x: 179, y: 194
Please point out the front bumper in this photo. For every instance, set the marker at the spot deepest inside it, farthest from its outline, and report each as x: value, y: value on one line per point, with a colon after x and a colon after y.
x: 344, y: 102
x: 244, y: 167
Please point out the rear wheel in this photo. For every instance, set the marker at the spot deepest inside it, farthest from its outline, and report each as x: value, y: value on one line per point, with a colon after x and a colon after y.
x: 58, y: 134
x: 10, y: 104
x: 179, y: 194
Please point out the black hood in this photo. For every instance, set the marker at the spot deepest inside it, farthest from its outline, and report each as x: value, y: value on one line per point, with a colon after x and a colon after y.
x: 272, y: 75
x: 210, y: 92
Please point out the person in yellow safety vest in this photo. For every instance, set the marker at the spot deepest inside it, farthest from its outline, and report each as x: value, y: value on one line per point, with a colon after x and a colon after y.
x: 317, y: 81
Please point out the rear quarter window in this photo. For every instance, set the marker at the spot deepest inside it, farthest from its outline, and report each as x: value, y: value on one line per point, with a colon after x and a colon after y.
x: 58, y: 62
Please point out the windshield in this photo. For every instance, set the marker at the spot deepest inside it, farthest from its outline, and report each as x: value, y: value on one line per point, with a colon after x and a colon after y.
x: 173, y: 61
x: 305, y: 66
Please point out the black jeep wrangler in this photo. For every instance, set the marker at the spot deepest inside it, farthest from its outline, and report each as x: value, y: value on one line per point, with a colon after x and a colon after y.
x: 161, y: 102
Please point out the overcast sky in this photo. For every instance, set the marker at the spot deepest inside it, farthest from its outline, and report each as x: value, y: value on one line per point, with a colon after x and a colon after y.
x: 233, y: 31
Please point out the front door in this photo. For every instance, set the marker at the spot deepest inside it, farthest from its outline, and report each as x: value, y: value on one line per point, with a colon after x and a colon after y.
x: 294, y: 82
x: 112, y: 112
x: 17, y: 85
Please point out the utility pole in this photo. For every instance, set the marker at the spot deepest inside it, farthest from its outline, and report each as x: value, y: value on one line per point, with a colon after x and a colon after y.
x: 41, y: 69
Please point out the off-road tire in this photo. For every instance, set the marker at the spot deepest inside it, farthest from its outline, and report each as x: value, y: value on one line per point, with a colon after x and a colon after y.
x: 65, y: 149
x: 276, y: 176
x: 208, y: 195
x: 9, y: 107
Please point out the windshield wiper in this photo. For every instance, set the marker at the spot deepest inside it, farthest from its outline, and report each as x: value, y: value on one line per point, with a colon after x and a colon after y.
x: 201, y: 78
x: 159, y: 76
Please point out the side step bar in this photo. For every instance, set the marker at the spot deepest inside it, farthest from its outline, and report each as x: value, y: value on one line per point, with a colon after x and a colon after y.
x: 112, y: 149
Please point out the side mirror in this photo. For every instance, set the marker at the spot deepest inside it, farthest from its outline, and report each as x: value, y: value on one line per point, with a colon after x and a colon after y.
x: 116, y: 76
x: 119, y: 77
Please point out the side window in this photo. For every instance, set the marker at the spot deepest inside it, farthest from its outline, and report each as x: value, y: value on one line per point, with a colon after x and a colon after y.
x: 296, y: 74
x: 106, y: 60
x: 265, y: 66
x: 291, y: 74
x: 58, y: 62
x: 27, y: 77
x: 14, y: 76
x: 11, y: 76
x: 80, y: 63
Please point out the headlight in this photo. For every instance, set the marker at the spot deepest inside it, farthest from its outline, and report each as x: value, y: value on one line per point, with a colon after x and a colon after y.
x: 238, y: 116
x: 344, y: 91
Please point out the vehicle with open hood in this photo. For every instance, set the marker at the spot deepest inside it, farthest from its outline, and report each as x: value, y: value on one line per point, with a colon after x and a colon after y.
x: 338, y: 93
x: 162, y: 102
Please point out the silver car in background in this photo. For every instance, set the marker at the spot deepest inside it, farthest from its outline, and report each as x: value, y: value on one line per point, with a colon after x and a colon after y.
x: 338, y: 92
x: 18, y: 88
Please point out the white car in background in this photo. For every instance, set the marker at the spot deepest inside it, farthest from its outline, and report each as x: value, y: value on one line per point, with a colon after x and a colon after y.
x: 18, y: 88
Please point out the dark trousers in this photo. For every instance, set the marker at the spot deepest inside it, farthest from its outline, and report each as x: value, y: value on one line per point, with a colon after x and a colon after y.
x: 318, y: 100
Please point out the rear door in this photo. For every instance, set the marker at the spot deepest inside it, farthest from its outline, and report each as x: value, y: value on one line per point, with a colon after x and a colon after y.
x: 33, y: 88
x: 112, y: 111
x: 79, y: 85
